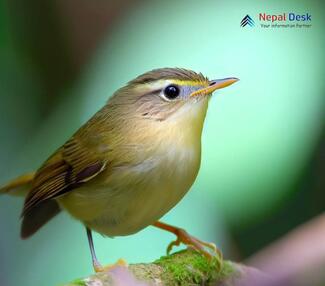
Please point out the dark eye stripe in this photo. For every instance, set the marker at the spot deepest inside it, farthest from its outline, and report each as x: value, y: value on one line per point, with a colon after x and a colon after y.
x: 149, y: 93
x: 152, y: 92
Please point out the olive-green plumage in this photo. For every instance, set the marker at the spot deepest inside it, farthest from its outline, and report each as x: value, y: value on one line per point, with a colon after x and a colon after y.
x: 131, y: 162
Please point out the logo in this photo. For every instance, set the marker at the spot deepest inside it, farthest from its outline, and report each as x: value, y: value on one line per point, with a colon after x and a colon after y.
x: 247, y: 20
x: 280, y: 20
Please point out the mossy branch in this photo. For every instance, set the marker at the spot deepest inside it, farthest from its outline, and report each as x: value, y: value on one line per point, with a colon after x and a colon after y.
x: 182, y: 268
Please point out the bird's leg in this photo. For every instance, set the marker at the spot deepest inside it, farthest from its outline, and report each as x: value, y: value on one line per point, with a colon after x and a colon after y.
x: 189, y: 240
x: 97, y: 266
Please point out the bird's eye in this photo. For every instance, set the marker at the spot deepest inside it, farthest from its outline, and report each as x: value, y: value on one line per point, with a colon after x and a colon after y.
x: 171, y: 91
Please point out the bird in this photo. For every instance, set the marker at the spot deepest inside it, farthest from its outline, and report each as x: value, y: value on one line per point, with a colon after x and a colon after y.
x: 129, y: 164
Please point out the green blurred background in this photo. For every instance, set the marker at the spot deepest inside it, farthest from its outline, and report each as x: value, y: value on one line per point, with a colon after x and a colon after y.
x: 263, y: 142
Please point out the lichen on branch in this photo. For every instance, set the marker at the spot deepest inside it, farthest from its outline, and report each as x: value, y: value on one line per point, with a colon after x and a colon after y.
x: 183, y: 268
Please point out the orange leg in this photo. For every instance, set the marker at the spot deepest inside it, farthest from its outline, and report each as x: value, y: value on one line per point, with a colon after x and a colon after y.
x: 190, y: 241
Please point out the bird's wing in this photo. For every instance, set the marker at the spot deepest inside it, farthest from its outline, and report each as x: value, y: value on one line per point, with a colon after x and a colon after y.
x: 72, y: 165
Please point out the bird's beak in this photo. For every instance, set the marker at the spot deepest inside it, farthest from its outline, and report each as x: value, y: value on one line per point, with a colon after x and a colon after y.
x: 214, y: 85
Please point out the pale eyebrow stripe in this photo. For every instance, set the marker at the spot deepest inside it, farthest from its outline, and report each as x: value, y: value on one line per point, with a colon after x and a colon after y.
x: 188, y: 82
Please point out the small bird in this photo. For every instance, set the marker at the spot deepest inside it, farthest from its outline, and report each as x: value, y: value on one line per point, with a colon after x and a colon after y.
x: 129, y: 164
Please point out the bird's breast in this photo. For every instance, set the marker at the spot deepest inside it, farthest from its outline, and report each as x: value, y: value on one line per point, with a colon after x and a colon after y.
x: 133, y: 195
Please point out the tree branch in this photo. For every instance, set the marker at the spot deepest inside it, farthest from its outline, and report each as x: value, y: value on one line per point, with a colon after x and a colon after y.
x: 182, y: 268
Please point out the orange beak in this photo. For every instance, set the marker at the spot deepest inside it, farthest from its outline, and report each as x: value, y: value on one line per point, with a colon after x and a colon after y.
x: 214, y: 85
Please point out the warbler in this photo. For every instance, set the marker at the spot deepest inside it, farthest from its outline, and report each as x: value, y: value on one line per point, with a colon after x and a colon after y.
x: 129, y: 164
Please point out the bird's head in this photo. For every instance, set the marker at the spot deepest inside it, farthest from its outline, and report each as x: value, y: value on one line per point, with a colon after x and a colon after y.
x: 167, y: 93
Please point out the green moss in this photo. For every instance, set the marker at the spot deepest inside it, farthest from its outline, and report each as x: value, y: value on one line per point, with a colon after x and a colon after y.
x: 186, y: 267
x: 78, y: 282
x: 189, y: 267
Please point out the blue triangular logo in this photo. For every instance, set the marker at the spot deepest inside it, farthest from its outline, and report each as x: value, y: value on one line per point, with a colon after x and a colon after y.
x: 247, y: 20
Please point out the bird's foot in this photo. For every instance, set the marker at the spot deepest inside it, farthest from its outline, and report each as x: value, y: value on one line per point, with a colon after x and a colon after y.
x: 119, y: 263
x: 208, y: 249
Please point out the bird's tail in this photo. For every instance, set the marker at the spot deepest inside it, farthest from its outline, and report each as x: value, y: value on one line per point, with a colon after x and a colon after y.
x: 19, y: 186
x: 39, y: 215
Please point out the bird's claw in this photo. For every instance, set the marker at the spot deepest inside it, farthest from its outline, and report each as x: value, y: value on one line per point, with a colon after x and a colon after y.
x: 170, y: 246
x: 119, y: 263
x: 197, y: 245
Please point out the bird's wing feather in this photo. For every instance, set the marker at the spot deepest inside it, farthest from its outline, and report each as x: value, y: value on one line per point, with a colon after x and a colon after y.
x: 73, y: 164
